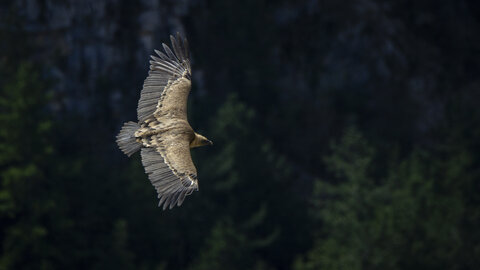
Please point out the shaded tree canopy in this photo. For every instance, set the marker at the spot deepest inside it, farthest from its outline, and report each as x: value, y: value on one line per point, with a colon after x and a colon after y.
x: 346, y: 135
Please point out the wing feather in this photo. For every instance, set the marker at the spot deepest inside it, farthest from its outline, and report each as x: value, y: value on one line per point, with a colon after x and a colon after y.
x: 181, y: 197
x: 179, y: 47
x: 170, y: 54
x: 168, y: 73
x: 171, y: 170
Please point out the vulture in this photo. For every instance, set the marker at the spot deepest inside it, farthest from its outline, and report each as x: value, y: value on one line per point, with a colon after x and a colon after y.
x: 162, y: 133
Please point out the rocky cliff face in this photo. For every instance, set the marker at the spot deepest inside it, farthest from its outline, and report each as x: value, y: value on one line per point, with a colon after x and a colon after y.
x: 88, y: 46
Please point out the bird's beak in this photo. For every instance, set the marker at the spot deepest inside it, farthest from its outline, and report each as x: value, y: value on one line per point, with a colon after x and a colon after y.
x: 210, y: 142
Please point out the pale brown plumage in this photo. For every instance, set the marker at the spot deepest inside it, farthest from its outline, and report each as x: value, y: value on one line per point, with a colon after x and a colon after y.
x: 163, y: 132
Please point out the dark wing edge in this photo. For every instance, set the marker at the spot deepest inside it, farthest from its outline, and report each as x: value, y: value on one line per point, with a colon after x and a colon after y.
x: 172, y: 187
x: 164, y: 71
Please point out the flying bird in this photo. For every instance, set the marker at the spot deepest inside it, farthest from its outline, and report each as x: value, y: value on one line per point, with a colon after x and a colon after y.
x: 162, y: 133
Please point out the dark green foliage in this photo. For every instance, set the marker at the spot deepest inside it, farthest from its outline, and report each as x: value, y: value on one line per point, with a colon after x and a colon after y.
x: 412, y: 217
x: 239, y: 185
x: 27, y: 200
x: 226, y: 248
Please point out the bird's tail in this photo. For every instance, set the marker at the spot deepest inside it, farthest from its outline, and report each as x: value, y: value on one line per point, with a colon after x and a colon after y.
x: 126, y: 138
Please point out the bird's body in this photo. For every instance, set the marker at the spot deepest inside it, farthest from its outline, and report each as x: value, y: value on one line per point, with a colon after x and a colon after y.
x: 150, y: 133
x: 163, y: 133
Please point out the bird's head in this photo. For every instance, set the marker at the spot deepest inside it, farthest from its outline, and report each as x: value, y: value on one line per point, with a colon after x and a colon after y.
x: 200, y: 140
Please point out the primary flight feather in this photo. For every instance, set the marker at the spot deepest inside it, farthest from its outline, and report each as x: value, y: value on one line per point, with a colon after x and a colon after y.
x: 163, y: 134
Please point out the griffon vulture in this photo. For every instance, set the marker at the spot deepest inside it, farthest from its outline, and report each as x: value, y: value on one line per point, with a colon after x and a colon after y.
x: 163, y: 134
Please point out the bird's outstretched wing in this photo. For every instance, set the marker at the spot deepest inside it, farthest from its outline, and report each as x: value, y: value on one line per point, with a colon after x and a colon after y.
x: 165, y: 90
x: 170, y: 169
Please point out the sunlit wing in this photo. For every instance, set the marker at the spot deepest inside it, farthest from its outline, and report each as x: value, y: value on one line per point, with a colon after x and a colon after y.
x: 171, y: 170
x: 166, y: 89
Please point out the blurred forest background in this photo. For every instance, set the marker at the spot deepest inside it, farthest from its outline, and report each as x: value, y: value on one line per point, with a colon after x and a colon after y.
x: 347, y: 135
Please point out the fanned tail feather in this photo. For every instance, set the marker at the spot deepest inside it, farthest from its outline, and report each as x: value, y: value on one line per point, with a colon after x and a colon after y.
x: 126, y: 139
